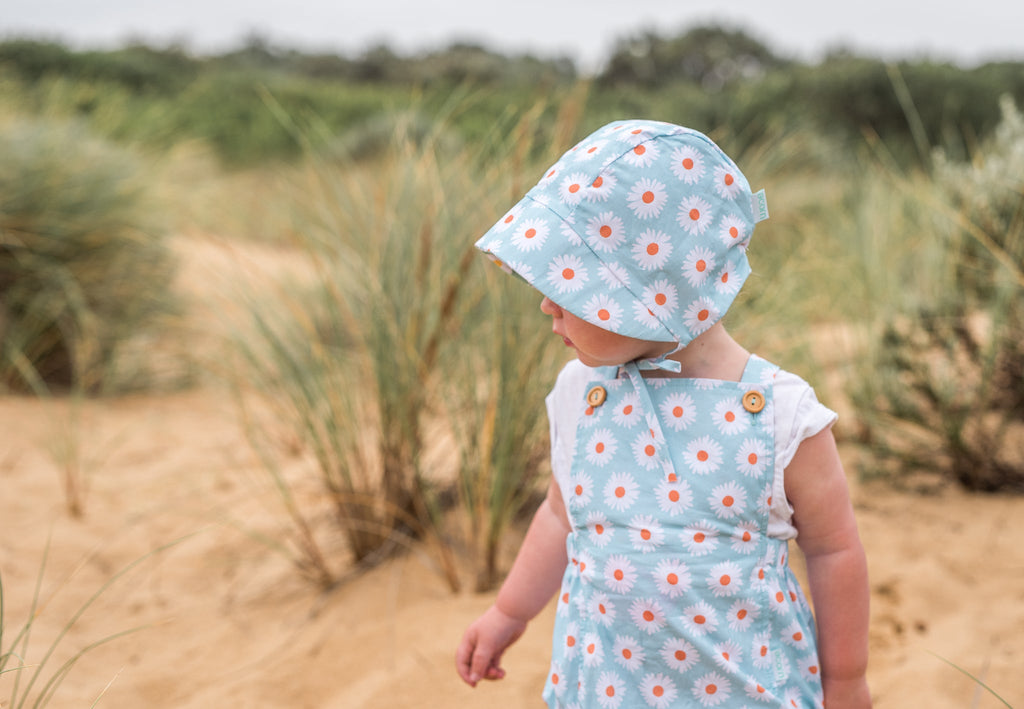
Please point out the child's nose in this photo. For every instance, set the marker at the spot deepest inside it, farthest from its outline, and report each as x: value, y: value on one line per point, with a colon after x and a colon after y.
x: 548, y: 307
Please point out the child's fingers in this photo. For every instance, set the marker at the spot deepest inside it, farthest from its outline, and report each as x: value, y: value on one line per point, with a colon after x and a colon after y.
x: 484, y: 661
x: 464, y: 657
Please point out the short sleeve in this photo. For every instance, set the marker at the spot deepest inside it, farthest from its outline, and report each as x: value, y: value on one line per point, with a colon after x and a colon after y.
x: 564, y: 407
x: 798, y: 416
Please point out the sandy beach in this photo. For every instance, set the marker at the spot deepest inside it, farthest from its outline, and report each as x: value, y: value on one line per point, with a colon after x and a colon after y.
x: 178, y: 504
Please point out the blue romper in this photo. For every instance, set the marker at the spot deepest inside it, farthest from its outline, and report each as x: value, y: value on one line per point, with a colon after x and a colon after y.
x: 675, y: 595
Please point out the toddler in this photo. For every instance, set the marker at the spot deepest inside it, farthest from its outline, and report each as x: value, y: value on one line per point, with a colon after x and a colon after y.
x: 682, y: 463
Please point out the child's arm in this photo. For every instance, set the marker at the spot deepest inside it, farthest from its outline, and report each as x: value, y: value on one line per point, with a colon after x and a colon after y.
x: 534, y: 578
x: 836, y: 568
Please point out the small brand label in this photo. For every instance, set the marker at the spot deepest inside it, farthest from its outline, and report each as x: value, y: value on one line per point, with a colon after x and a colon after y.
x: 760, y: 206
x: 781, y: 666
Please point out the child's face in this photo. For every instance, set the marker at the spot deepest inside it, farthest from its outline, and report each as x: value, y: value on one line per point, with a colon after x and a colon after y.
x: 595, y: 346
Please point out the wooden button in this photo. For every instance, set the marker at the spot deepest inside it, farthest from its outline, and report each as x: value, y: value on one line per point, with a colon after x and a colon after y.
x: 596, y: 396
x: 753, y: 401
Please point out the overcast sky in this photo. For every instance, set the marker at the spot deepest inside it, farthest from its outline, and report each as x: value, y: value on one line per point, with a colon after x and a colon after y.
x: 967, y: 31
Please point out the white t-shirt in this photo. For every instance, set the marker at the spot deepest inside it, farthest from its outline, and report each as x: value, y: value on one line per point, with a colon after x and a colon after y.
x: 798, y: 416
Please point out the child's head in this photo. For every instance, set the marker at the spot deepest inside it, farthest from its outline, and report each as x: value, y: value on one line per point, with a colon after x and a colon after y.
x: 641, y: 229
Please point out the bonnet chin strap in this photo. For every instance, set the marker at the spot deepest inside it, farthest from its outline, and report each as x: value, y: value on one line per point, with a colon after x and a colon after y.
x: 663, y: 361
x: 632, y: 370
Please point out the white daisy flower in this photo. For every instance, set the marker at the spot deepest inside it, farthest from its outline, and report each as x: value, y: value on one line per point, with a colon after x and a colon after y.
x: 759, y: 693
x: 571, y: 190
x: 674, y: 497
x: 678, y: 411
x: 700, y: 539
x: 687, y: 164
x: 695, y: 215
x: 742, y: 614
x: 606, y: 232
x: 766, y: 497
x: 730, y: 417
x: 647, y: 615
x: 793, y: 697
x: 745, y: 538
x: 645, y: 316
x: 601, y: 447
x: 509, y: 219
x: 645, y: 533
x: 711, y: 689
x: 679, y: 655
x: 631, y: 133
x: 627, y: 411
x: 592, y: 650
x: 517, y: 267
x: 604, y: 312
x: 628, y: 652
x: 724, y: 579
x: 727, y: 184
x: 752, y: 457
x: 647, y: 198
x: 567, y: 273
x: 585, y: 564
x: 557, y: 679
x: 809, y: 668
x: 572, y: 640
x: 700, y: 315
x: 601, y: 188
x: 728, y: 655
x: 529, y: 234
x: 568, y: 231
x: 761, y: 652
x: 661, y: 298
x: 758, y: 579
x: 672, y: 578
x: 642, y: 155
x: 652, y: 249
x: 703, y: 455
x: 610, y: 690
x: 795, y: 636
x: 590, y: 150
x: 779, y: 603
x: 550, y: 175
x: 727, y: 281
x: 700, y: 618
x: 563, y: 602
x: 698, y: 265
x: 602, y: 609
x: 707, y: 384
x: 581, y: 489
x: 599, y: 529
x: 733, y: 231
x: 728, y: 500
x: 619, y: 574
x: 645, y: 452
x: 621, y: 491
x: 613, y: 275
x: 658, y: 690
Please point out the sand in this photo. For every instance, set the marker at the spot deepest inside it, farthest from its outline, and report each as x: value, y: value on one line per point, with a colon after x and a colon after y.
x: 223, y: 619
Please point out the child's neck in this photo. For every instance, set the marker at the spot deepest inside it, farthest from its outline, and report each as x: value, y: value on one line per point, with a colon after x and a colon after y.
x: 711, y: 355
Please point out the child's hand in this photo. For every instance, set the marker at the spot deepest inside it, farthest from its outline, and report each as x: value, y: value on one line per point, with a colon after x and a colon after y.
x: 483, y: 644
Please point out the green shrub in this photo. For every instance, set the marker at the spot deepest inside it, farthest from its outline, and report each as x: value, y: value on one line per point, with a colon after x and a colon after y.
x: 941, y: 389
x: 83, y: 264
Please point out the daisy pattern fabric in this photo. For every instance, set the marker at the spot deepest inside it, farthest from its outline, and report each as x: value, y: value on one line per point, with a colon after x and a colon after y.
x: 640, y: 229
x: 676, y: 595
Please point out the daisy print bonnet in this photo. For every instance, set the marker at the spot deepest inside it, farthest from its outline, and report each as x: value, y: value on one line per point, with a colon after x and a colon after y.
x: 640, y: 229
